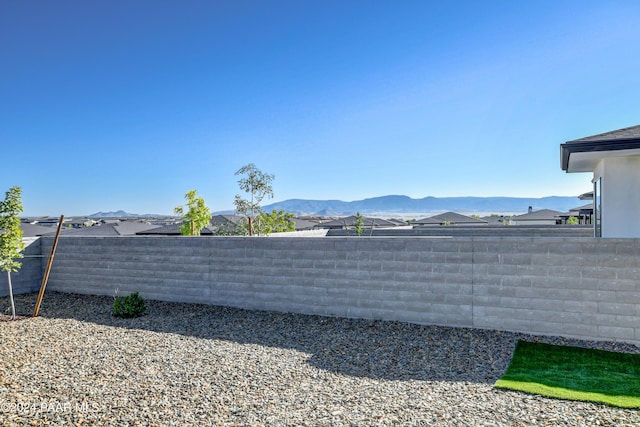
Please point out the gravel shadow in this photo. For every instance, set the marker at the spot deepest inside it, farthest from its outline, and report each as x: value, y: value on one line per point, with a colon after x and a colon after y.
x: 361, y: 348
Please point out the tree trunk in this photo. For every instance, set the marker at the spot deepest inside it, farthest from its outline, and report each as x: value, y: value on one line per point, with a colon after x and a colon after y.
x: 13, y: 307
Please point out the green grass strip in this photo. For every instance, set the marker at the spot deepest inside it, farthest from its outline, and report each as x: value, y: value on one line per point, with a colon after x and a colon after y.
x: 574, y: 373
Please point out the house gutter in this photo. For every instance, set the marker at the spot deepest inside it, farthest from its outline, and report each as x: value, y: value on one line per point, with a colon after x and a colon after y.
x: 578, y: 146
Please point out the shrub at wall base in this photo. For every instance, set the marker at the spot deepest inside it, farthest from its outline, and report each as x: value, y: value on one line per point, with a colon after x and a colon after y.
x: 129, y: 306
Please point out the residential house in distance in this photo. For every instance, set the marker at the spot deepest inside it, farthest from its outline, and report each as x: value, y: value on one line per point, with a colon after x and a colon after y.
x: 449, y: 218
x: 614, y: 160
x: 540, y: 217
x: 79, y: 222
x: 173, y: 230
x: 303, y: 224
x: 582, y: 213
x: 35, y: 230
x: 122, y: 228
x: 349, y: 222
x: 44, y: 221
x: 226, y: 224
x: 496, y: 219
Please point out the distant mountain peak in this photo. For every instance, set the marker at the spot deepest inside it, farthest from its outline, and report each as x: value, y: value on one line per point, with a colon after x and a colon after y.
x: 116, y: 214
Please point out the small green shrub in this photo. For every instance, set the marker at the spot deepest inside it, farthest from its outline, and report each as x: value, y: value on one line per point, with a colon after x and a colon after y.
x: 130, y: 306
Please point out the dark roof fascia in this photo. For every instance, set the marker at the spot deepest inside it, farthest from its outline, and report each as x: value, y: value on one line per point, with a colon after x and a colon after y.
x: 586, y: 196
x: 578, y: 146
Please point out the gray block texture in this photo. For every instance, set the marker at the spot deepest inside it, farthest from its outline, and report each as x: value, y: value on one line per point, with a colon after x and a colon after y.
x: 577, y: 287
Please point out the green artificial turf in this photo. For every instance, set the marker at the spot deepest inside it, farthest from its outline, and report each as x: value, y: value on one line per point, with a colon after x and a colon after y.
x: 574, y: 373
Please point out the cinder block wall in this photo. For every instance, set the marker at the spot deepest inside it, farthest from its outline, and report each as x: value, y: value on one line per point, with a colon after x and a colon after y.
x: 29, y: 277
x: 475, y: 231
x: 416, y: 280
x: 579, y: 287
x: 588, y: 288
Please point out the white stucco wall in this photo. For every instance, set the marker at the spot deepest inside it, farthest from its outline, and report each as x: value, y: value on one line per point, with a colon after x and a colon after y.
x: 620, y: 195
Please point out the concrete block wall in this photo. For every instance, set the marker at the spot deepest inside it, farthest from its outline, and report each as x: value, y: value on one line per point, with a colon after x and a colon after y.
x: 391, y: 279
x: 475, y: 231
x: 587, y: 288
x: 579, y: 287
x: 29, y: 277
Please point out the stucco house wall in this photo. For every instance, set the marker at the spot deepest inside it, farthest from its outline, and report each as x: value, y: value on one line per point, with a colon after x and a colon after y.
x: 620, y: 177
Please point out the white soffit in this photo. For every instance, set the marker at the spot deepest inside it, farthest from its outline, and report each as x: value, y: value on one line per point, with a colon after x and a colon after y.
x: 587, y: 161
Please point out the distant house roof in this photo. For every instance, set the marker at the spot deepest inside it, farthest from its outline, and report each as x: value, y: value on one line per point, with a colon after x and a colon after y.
x: 226, y: 219
x: 428, y: 221
x: 78, y: 221
x: 586, y: 196
x: 227, y: 225
x: 171, y: 230
x: 579, y: 212
x: 45, y: 220
x: 349, y: 221
x: 34, y: 230
x: 303, y: 224
x: 110, y: 220
x: 542, y: 214
x: 494, y: 219
x: 450, y: 218
x: 124, y: 228
x: 581, y: 155
x: 582, y: 209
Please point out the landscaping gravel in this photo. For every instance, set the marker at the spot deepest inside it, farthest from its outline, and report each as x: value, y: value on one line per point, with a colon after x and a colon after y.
x: 197, y: 365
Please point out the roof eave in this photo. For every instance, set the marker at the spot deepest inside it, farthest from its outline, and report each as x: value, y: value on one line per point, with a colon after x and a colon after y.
x: 571, y: 147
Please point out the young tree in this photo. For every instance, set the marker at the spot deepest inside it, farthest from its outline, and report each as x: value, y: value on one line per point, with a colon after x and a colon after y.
x: 196, y: 218
x: 358, y: 224
x: 572, y: 220
x: 275, y: 222
x: 11, y: 237
x: 258, y: 185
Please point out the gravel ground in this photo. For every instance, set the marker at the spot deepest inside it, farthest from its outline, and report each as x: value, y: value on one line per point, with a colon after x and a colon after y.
x: 186, y: 364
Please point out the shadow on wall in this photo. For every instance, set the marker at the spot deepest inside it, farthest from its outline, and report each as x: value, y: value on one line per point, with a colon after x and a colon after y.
x: 359, y: 348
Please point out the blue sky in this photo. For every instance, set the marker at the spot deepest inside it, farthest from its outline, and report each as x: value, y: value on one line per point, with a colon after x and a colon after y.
x: 109, y: 105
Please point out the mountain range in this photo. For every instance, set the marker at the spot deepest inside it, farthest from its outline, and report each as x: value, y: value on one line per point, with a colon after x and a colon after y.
x: 404, y: 206
x: 387, y: 206
x: 119, y: 214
